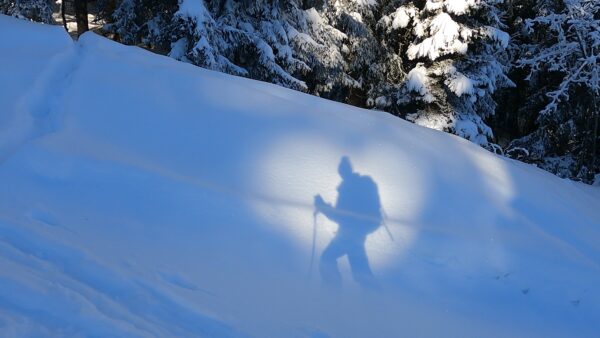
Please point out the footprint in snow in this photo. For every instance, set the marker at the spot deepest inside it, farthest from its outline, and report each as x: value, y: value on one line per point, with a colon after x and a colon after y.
x: 43, y: 217
x: 181, y: 282
x: 504, y: 276
x: 312, y: 333
x: 46, y: 218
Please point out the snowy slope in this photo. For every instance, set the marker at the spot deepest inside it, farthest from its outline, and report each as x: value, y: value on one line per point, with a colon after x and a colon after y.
x: 142, y: 197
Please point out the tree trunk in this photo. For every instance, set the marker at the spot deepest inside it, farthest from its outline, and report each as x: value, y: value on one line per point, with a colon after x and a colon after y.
x: 81, y: 16
x: 594, y: 132
x: 64, y: 17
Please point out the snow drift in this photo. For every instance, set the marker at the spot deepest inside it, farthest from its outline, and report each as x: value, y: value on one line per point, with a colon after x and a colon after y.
x: 144, y: 197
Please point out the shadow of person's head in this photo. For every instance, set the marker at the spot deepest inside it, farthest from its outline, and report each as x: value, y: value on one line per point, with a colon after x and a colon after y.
x: 345, y: 168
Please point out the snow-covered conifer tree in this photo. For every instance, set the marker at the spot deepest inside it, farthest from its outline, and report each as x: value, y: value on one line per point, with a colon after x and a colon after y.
x: 35, y: 10
x: 275, y: 41
x: 321, y: 47
x: 237, y: 37
x: 356, y: 20
x: 455, y: 63
x: 559, y: 48
x: 143, y: 21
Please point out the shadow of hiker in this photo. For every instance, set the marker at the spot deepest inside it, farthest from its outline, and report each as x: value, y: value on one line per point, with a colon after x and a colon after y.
x: 358, y: 213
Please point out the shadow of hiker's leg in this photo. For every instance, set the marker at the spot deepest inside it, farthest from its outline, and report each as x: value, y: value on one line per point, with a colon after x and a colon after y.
x: 359, y: 263
x: 328, y: 267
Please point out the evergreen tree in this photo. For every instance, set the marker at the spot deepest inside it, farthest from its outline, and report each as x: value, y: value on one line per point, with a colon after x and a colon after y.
x: 238, y: 37
x: 558, y: 46
x: 322, y: 47
x: 143, y: 22
x: 35, y: 10
x: 81, y: 16
x: 359, y: 50
x: 457, y: 61
x: 275, y: 41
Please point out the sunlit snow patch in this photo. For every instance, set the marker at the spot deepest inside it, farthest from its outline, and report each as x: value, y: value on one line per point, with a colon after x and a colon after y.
x: 303, y: 165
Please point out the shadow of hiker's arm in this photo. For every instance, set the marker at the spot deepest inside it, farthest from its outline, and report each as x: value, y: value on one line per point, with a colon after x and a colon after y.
x: 325, y: 208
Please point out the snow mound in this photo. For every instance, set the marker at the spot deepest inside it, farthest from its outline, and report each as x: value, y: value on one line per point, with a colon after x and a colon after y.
x: 143, y: 197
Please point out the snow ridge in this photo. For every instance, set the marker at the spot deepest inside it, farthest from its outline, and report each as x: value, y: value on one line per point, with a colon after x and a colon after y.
x: 38, y: 110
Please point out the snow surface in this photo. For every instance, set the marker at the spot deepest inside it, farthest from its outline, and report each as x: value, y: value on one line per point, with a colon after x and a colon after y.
x: 143, y: 197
